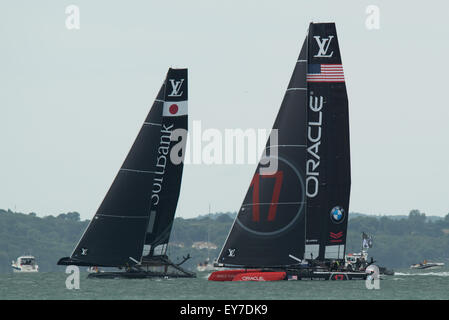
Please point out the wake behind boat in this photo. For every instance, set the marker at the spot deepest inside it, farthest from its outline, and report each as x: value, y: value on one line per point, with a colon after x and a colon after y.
x: 131, y: 228
x: 292, y: 224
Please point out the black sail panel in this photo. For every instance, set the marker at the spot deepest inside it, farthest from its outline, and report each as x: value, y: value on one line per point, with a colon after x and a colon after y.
x: 269, y: 227
x: 116, y: 234
x: 328, y: 177
x: 169, y: 163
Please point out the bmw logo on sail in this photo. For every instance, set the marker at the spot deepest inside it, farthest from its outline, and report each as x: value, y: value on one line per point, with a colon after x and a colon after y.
x: 337, y: 214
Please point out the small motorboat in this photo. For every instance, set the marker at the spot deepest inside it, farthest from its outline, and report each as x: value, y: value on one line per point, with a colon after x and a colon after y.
x: 427, y: 265
x: 206, y: 266
x: 25, y: 264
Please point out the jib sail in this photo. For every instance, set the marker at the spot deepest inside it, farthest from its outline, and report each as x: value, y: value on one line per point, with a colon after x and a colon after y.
x: 130, y: 214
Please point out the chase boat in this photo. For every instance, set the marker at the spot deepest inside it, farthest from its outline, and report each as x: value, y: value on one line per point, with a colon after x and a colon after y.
x: 427, y: 265
x: 25, y: 264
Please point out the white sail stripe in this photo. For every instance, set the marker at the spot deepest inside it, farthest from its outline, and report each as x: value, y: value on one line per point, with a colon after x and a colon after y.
x: 134, y: 260
x: 152, y: 123
x: 286, y: 145
x: 291, y: 89
x: 158, y: 100
x: 122, y: 217
x: 301, y: 61
x: 137, y: 171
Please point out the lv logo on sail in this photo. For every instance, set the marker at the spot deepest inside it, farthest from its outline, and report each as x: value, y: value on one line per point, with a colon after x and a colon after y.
x: 323, y: 46
x: 176, y: 86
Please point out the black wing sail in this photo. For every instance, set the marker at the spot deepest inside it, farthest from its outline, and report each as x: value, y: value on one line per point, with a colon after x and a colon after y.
x: 116, y: 235
x: 270, y: 225
x: 328, y: 179
x: 169, y: 164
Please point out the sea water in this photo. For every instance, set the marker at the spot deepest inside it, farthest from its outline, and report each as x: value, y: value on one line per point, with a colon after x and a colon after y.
x: 405, y: 284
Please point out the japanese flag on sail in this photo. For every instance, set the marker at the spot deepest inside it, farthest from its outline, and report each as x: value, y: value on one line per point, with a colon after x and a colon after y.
x: 175, y: 108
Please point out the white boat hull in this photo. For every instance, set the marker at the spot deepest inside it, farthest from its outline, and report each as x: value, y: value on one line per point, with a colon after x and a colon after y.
x: 427, y: 266
x: 25, y: 264
x: 23, y: 269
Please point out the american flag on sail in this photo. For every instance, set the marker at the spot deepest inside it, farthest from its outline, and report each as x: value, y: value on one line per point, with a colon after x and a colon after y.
x: 325, y: 73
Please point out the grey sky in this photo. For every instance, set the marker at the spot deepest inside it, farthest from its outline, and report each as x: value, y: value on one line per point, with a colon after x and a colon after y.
x: 72, y: 102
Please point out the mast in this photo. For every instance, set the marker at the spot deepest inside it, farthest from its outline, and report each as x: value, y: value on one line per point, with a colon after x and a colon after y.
x: 116, y: 235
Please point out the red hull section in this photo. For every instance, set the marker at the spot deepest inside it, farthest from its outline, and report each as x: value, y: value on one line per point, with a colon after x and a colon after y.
x: 260, y: 276
x: 228, y: 275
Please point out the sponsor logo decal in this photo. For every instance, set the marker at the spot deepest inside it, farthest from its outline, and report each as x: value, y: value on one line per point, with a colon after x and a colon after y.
x: 314, y: 141
x: 163, y: 151
x: 253, y: 278
x: 337, y: 214
x: 231, y: 253
x: 339, y: 277
x: 176, y: 88
x: 336, y: 237
x: 323, y: 47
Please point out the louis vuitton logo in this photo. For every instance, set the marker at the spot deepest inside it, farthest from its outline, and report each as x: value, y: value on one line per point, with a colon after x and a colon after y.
x: 176, y: 87
x: 323, y: 46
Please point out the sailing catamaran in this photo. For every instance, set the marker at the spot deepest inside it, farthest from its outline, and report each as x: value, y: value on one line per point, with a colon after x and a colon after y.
x: 132, y: 226
x: 293, y: 222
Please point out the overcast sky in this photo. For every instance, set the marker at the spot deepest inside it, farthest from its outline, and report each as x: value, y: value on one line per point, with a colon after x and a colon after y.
x: 73, y: 101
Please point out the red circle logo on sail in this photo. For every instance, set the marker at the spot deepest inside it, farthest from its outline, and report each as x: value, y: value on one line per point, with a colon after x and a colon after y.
x: 173, y: 109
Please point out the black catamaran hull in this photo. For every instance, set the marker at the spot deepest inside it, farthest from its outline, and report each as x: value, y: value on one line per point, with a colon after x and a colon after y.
x: 326, y: 275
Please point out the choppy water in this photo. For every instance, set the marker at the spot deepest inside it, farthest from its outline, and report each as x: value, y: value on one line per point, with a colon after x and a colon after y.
x: 406, y: 284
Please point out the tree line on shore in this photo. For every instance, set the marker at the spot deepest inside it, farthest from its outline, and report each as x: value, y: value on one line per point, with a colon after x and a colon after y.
x: 398, y: 242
